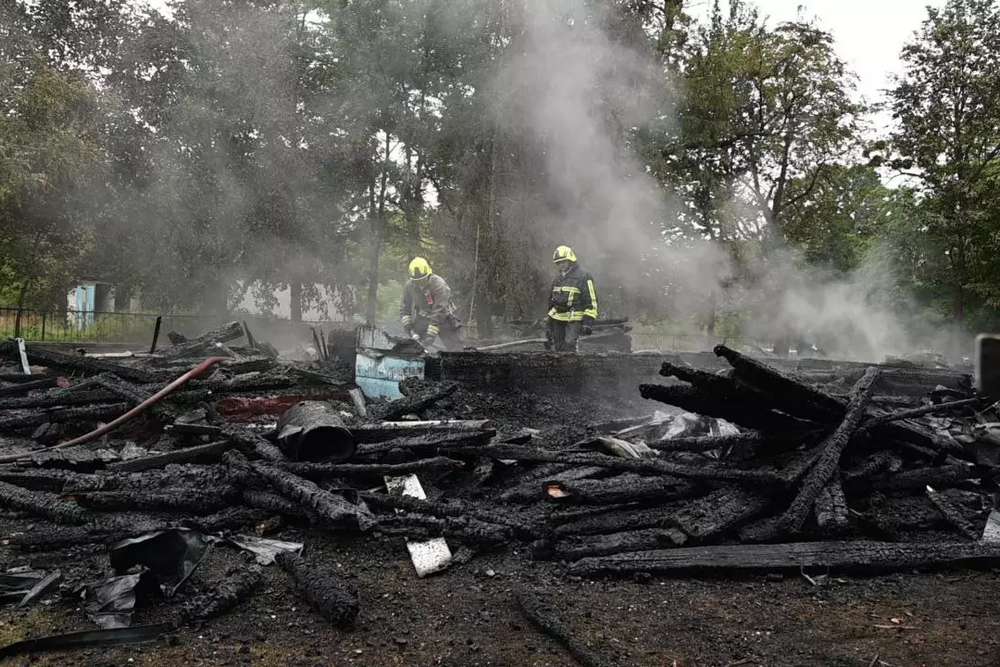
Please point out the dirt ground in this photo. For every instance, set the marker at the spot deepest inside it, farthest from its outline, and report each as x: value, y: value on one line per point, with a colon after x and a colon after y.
x: 466, y: 616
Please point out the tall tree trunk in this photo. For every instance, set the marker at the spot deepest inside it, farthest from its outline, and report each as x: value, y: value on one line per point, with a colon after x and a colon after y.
x: 295, y: 299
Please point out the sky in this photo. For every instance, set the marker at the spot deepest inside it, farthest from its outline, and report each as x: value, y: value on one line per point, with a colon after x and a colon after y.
x: 869, y: 34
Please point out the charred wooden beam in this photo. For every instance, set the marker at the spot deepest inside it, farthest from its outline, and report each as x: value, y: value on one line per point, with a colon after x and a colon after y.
x: 248, y: 441
x: 88, y: 365
x: 59, y: 399
x: 707, y: 443
x: 453, y: 509
x: 546, y: 619
x: 717, y: 513
x: 647, y: 466
x: 230, y: 518
x: 875, y: 422
x: 577, y: 547
x: 883, y: 460
x: 529, y: 487
x: 123, y: 389
x: 415, y: 404
x: 274, y: 502
x: 829, y: 461
x: 31, y: 385
x: 326, y: 592
x: 953, y: 514
x: 831, y: 508
x: 855, y: 556
x: 380, y: 431
x: 618, y: 489
x: 67, y: 415
x: 41, y: 480
x: 204, y: 342
x: 42, y: 504
x: 328, y: 506
x: 938, y: 477
x: 467, y: 529
x: 210, y: 451
x: 429, y: 441
x: 615, y: 520
x: 436, y: 466
x: 231, y: 591
x: 179, y: 499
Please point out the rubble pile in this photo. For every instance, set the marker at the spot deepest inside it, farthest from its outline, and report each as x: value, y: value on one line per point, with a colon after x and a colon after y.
x: 748, y: 469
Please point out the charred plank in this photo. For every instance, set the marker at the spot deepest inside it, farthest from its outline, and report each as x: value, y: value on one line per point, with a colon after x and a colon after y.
x: 231, y: 591
x: 326, y: 592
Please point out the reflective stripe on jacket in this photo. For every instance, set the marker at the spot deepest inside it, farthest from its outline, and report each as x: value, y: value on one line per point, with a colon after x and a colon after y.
x: 573, y: 297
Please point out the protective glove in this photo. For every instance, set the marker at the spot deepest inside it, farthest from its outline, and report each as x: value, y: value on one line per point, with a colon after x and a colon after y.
x: 585, y: 328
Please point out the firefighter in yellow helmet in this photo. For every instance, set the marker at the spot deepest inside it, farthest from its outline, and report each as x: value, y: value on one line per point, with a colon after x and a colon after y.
x: 572, y: 303
x: 427, y: 312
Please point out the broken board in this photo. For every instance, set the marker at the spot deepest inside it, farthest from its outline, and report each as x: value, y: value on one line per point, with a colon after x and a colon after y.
x: 428, y: 556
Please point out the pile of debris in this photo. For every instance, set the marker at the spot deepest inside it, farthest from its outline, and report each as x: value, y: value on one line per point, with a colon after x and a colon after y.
x: 758, y: 470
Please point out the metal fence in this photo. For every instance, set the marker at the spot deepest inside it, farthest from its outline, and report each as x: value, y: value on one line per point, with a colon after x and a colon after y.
x: 73, y: 326
x: 86, y: 326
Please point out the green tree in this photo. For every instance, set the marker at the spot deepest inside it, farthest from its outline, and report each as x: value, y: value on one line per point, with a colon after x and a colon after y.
x: 947, y: 104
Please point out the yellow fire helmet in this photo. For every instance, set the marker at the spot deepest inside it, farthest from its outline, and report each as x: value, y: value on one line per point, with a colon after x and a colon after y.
x: 563, y: 254
x: 419, y: 268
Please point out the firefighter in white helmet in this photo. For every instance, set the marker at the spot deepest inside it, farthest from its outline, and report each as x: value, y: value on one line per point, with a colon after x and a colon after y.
x: 427, y: 312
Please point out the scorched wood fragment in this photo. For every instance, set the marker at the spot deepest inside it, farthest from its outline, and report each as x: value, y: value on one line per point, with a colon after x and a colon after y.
x: 864, y: 557
x: 719, y: 512
x: 436, y: 466
x: 388, y: 430
x: 940, y: 477
x: 707, y: 443
x: 953, y: 514
x: 48, y: 480
x: 328, y: 506
x: 429, y: 441
x: 546, y: 619
x: 179, y: 499
x: 414, y: 404
x: 231, y: 591
x: 204, y: 342
x: 327, y: 593
x: 84, y: 414
x: 249, y: 441
x: 212, y: 450
x: 88, y: 365
x: 831, y: 508
x: 274, y: 502
x: 466, y: 529
x: 648, y: 466
x: 577, y: 547
x: 617, y: 520
x: 453, y: 508
x: 529, y: 489
x: 622, y: 488
x: 41, y: 504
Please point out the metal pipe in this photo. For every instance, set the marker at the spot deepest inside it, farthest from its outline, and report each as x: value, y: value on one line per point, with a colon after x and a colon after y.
x: 314, y: 431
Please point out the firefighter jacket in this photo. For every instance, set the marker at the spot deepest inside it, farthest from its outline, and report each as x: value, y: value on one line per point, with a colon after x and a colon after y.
x: 574, y: 297
x: 428, y: 298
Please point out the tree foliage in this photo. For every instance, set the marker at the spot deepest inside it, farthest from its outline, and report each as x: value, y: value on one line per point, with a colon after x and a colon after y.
x: 314, y: 146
